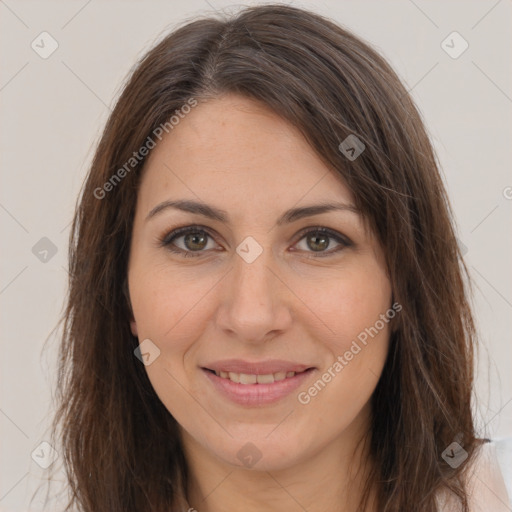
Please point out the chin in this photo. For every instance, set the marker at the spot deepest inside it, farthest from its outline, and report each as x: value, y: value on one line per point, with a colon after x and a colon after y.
x: 258, y: 452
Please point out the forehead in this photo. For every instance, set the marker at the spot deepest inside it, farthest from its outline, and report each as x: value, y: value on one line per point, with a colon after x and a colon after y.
x: 237, y: 150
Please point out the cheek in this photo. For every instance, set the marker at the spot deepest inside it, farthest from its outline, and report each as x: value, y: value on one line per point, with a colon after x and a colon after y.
x: 351, y: 303
x: 356, y: 309
x: 171, y: 311
x: 167, y: 304
x: 360, y: 348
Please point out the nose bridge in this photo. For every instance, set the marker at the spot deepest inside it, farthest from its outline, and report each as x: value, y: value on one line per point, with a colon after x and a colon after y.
x: 253, y: 305
x: 252, y: 278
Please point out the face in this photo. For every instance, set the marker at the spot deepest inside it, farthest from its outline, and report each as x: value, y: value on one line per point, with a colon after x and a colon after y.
x: 265, y: 322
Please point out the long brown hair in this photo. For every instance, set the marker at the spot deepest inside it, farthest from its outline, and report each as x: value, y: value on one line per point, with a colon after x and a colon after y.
x: 120, y: 445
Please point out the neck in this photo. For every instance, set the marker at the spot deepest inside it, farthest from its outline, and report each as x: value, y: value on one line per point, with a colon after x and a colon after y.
x: 330, y: 481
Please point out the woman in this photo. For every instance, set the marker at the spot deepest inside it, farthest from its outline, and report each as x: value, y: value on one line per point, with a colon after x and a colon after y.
x: 267, y: 307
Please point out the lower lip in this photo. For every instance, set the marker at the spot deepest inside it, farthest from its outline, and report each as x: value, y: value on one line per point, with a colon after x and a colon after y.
x: 257, y: 394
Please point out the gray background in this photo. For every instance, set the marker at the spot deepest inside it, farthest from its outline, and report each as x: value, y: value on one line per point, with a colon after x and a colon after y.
x: 53, y: 111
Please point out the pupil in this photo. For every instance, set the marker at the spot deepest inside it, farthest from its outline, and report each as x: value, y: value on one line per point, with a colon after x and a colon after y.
x: 319, y: 242
x: 195, y: 241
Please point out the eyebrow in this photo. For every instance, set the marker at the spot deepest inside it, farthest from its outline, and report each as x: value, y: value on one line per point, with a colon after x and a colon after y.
x: 214, y: 213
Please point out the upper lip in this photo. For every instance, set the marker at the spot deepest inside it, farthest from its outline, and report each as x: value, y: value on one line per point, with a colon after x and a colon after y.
x: 257, y: 367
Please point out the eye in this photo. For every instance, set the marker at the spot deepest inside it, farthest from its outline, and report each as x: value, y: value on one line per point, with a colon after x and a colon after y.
x: 193, y: 241
x: 189, y: 241
x: 319, y: 239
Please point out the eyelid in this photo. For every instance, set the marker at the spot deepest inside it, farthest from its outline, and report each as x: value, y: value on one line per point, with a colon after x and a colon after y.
x: 166, y: 240
x: 328, y: 231
x: 180, y: 231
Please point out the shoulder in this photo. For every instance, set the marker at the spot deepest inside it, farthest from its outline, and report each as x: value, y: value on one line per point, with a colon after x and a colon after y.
x: 485, y: 485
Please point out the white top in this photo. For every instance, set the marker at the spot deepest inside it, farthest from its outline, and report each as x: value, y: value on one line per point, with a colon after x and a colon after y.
x: 486, y: 486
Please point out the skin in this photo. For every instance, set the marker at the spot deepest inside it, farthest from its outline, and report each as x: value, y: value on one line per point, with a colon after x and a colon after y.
x: 293, y: 303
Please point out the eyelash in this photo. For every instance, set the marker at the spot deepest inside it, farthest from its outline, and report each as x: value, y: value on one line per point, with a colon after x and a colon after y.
x: 167, y: 240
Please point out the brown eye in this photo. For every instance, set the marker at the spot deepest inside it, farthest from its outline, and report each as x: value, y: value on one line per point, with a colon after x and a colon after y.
x: 318, y: 242
x: 196, y: 241
x: 320, y: 239
x: 188, y: 241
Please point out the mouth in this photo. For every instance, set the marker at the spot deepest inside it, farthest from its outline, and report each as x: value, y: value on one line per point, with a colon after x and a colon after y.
x: 253, y: 378
x: 256, y: 384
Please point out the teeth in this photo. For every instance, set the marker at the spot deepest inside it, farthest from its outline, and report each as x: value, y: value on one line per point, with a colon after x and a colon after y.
x: 265, y: 379
x: 235, y: 377
x: 245, y: 378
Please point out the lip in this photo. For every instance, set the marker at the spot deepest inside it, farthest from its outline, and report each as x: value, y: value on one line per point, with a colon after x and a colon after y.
x: 256, y: 394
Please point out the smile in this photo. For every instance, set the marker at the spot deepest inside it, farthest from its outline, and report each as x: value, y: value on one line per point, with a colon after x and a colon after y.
x: 247, y: 378
x: 255, y: 384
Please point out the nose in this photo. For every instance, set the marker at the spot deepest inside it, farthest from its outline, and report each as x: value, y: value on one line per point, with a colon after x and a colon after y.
x: 255, y: 305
